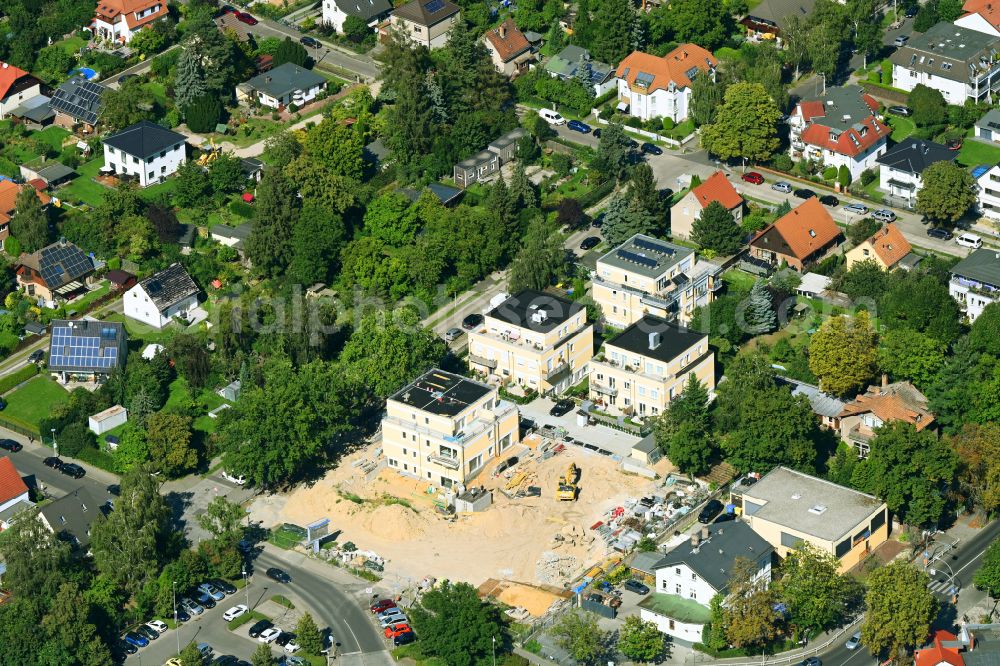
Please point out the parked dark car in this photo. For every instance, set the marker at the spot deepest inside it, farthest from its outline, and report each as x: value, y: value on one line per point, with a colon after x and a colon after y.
x: 284, y: 638
x: 225, y: 660
x: 138, y: 640
x: 72, y: 469
x: 811, y: 661
x: 636, y: 586
x: 204, y: 599
x: 829, y: 200
x: 563, y: 407
x: 274, y: 573
x: 148, y: 632
x: 227, y: 9
x: 404, y: 639
x: 597, y: 133
x: 471, y: 321
x: 900, y: 110
x: 725, y: 517
x: 939, y: 233
x: 506, y: 465
x: 259, y: 627
x: 651, y: 149
x: 590, y: 242
x: 182, y: 615
x: 577, y: 126
x: 243, y: 17
x: 10, y: 445
x: 53, y: 462
x: 36, y: 356
x: 595, y: 597
x: 226, y: 587
x: 710, y: 511
x: 310, y: 42
x: 803, y: 193
x: 126, y: 647
x: 114, y: 489
x: 526, y: 424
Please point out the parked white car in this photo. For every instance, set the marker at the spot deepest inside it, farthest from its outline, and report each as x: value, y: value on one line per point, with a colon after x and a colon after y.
x: 235, y: 612
x: 390, y: 620
x: 157, y: 625
x: 238, y: 480
x: 269, y: 635
x: 291, y: 647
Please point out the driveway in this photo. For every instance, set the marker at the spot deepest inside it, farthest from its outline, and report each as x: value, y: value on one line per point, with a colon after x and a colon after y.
x: 617, y: 442
x: 190, y: 496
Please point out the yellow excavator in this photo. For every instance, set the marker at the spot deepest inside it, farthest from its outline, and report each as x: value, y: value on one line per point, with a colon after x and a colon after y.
x: 567, y: 488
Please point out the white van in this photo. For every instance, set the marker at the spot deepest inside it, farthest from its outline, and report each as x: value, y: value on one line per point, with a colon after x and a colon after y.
x: 551, y: 117
x: 969, y: 240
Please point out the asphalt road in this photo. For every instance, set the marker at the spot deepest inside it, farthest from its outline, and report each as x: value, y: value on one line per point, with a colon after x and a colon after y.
x: 53, y: 483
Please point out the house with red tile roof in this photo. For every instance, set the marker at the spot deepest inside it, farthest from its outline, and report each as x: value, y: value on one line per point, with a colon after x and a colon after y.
x: 509, y: 48
x: 886, y: 247
x: 802, y: 236
x: 879, y: 405
x: 982, y: 16
x: 715, y: 188
x: 120, y: 20
x: 16, y: 86
x: 652, y: 86
x: 839, y: 129
x: 13, y: 493
x: 945, y: 651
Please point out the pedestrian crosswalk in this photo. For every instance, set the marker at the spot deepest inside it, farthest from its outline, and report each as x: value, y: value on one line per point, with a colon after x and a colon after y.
x: 939, y: 587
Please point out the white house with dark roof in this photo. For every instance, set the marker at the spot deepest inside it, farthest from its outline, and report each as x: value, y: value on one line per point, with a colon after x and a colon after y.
x: 975, y: 281
x: 901, y: 168
x: 162, y: 296
x: 425, y: 22
x: 692, y: 573
x: 284, y: 85
x: 988, y: 198
x: 960, y: 63
x: 70, y: 517
x: 148, y: 152
x: 335, y: 12
x: 86, y: 350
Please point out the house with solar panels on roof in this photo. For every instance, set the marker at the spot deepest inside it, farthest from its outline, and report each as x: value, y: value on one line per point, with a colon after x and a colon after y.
x: 146, y: 152
x: 57, y: 272
x: 423, y: 22
x: 86, y: 350
x: 645, y: 275
x: 162, y: 296
x: 77, y: 104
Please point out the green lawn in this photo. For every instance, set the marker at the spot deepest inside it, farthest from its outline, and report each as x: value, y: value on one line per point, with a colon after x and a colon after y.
x: 34, y: 401
x: 81, y: 305
x: 84, y: 188
x: 738, y: 280
x: 72, y: 45
x: 54, y: 136
x: 158, y: 91
x: 901, y: 127
x: 180, y: 396
x: 974, y: 153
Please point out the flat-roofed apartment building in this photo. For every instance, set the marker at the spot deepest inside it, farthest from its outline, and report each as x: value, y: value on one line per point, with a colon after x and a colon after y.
x: 534, y: 339
x: 444, y: 428
x: 644, y: 367
x: 786, y: 507
x: 645, y: 275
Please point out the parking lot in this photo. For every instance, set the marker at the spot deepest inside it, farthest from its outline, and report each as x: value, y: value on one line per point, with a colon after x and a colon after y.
x: 617, y: 442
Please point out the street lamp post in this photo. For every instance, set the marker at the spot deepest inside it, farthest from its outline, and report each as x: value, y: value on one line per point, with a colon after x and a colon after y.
x: 177, y: 629
x: 246, y: 587
x: 494, y: 651
x: 55, y: 444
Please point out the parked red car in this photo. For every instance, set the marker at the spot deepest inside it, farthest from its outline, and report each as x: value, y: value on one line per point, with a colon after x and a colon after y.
x: 243, y: 17
x: 382, y: 605
x: 397, y: 630
x: 753, y: 177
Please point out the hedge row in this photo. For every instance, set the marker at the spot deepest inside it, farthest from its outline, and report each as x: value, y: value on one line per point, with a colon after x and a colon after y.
x: 13, y: 379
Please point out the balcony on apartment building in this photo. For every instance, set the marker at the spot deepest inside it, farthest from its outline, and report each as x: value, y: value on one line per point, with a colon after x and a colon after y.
x: 665, y: 300
x: 490, y: 363
x: 554, y: 373
x: 603, y: 388
x: 484, y: 419
x: 628, y: 367
x: 445, y: 461
x: 965, y: 285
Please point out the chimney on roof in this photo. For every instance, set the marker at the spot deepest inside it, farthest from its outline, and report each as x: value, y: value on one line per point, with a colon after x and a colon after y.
x: 704, y: 533
x: 654, y: 339
x: 503, y: 30
x: 885, y: 381
x: 694, y: 540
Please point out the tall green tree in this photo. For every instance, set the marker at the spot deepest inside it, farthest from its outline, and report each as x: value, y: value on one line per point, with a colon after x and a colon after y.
x: 907, y: 354
x: 978, y: 450
x: 308, y: 636
x: 683, y: 431
x: 988, y: 575
x: 614, y: 23
x: 317, y: 238
x: 751, y: 620
x: 68, y: 625
x: 928, y: 106
x: 920, y: 302
x: 30, y: 223
x: 456, y: 626
x: 540, y: 260
x: 289, y: 51
x: 623, y: 218
x: 706, y: 98
x: 828, y: 30
x: 263, y: 656
x: 126, y: 105
x: 189, y: 79
x: 864, y: 280
x: 759, y: 315
x: 192, y: 189
x: 577, y: 633
x: 813, y: 589
x: 640, y: 640
x: 911, y: 470
x: 168, y: 437
x: 708, y: 26
x: 842, y: 353
x: 226, y: 174
x: 746, y: 125
x: 948, y: 192
x: 275, y: 215
x: 900, y: 609
x: 716, y: 230
x: 614, y: 152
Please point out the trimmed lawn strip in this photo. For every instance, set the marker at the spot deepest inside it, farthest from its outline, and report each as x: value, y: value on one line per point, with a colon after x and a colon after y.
x: 974, y: 153
x: 34, y: 401
x: 246, y: 617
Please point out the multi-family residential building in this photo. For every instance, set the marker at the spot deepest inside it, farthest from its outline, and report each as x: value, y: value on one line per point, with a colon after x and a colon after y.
x: 535, y: 340
x: 689, y: 575
x: 509, y: 49
x: 640, y: 370
x: 715, y: 188
x: 988, y: 198
x: 975, y: 281
x: 959, y: 62
x: 803, y: 235
x: 982, y: 16
x: 120, y: 20
x: 879, y: 405
x: 146, y: 151
x: 282, y: 86
x: 16, y: 86
x: 887, y: 247
x: 335, y: 12
x: 838, y: 129
x: 787, y: 507
x: 901, y: 168
x: 567, y: 63
x: 645, y: 275
x: 444, y: 429
x: 652, y: 86
x: 424, y: 22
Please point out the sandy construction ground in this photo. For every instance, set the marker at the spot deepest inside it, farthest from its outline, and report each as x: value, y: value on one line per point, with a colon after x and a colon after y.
x: 532, y: 540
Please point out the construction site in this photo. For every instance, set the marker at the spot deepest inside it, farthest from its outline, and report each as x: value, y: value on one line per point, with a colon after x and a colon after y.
x: 534, y: 522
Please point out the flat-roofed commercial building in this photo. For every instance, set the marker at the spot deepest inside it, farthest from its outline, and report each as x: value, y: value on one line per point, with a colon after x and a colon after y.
x: 787, y: 507
x: 444, y: 428
x: 534, y: 339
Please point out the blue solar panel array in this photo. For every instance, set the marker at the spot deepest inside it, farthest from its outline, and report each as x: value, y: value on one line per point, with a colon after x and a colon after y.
x: 637, y: 258
x: 434, y: 6
x: 84, y: 352
x: 653, y: 247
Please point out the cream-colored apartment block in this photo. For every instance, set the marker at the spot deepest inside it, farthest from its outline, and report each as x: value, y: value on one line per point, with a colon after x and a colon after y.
x: 645, y: 275
x: 786, y: 508
x: 444, y: 429
x: 643, y: 368
x: 533, y: 339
